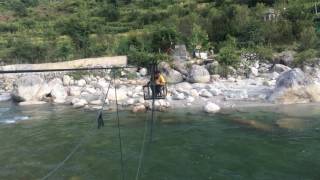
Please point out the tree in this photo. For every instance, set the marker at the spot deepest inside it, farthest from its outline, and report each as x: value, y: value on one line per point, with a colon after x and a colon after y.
x: 199, y: 38
x: 163, y: 39
x: 64, y: 48
x: 228, y: 55
x: 308, y: 38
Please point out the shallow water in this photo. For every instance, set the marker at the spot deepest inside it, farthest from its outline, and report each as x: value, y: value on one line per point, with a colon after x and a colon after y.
x: 256, y: 143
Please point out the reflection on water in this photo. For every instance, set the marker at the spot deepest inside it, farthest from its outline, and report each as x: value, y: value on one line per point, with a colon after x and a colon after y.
x: 257, y: 143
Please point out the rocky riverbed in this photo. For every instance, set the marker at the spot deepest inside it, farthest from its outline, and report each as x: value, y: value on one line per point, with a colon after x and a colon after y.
x: 189, y: 86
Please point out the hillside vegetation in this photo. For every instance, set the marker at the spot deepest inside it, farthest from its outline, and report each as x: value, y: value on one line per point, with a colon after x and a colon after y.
x: 36, y: 31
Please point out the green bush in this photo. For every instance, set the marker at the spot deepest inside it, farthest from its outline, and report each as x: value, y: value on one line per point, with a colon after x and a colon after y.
x: 228, y: 54
x: 305, y: 57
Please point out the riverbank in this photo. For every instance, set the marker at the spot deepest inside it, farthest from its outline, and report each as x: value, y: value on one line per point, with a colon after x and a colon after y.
x: 88, y: 92
x: 195, y: 84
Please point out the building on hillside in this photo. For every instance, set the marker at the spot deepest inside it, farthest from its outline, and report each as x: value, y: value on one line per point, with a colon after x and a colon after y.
x: 271, y: 15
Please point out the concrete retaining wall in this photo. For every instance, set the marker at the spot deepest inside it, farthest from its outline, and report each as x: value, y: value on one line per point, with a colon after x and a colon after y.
x: 115, y: 61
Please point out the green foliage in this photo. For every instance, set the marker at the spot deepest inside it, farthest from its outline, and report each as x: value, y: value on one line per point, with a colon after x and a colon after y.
x: 46, y: 30
x: 265, y: 53
x: 228, y: 55
x: 308, y: 38
x: 163, y: 39
x: 305, y: 57
x: 199, y: 38
x: 64, y: 48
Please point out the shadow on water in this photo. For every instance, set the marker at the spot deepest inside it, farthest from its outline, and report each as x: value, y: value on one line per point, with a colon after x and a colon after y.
x: 255, y: 143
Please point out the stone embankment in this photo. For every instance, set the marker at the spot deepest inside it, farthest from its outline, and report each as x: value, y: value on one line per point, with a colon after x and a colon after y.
x: 191, y: 85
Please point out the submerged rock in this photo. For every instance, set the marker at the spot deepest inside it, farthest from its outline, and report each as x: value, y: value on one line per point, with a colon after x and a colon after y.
x: 139, y: 108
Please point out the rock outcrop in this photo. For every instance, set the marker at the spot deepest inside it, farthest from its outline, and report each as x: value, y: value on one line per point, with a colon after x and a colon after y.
x: 294, y: 86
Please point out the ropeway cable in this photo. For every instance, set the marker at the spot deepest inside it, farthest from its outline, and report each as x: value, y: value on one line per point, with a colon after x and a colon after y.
x: 76, y: 148
x: 119, y: 129
x: 142, y: 151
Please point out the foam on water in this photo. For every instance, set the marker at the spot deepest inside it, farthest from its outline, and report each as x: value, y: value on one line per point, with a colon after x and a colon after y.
x: 14, y: 119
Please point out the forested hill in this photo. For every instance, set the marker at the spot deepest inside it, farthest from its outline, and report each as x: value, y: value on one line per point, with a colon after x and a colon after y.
x: 57, y: 30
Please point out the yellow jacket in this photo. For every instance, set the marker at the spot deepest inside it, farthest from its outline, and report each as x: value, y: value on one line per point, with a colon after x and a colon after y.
x: 160, y: 80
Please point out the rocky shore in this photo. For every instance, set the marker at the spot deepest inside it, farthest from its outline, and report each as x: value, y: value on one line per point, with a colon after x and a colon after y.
x: 190, y: 85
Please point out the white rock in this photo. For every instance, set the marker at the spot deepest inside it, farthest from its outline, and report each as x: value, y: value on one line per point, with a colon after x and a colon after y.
x: 141, y: 100
x: 190, y: 99
x: 28, y: 103
x: 74, y: 91
x: 26, y: 88
x: 130, y: 102
x: 66, y: 80
x: 5, y: 97
x: 205, y: 93
x: 215, y: 91
x: 194, y: 93
x: 279, y: 68
x: 254, y: 71
x: 274, y: 75
x: 121, y: 94
x: 143, y: 71
x: 96, y: 102
x: 199, y: 74
x: 139, y: 108
x: 58, y: 92
x: 183, y: 87
x: 211, y: 108
x: 81, y: 82
x: 90, y: 90
x: 79, y: 103
x: 178, y: 96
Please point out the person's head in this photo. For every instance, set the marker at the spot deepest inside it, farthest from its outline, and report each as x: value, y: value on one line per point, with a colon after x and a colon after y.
x: 157, y: 73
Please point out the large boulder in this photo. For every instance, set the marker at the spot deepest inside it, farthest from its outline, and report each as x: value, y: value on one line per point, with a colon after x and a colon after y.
x: 172, y: 76
x: 291, y: 79
x: 295, y: 87
x: 199, y: 74
x: 27, y: 88
x: 286, y: 58
x: 181, y: 66
x: 58, y: 92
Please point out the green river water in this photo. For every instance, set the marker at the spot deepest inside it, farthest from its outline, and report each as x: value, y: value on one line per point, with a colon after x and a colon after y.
x: 253, y: 143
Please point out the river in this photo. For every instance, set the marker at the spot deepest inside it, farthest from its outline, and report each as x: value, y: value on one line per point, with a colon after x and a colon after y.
x: 251, y: 143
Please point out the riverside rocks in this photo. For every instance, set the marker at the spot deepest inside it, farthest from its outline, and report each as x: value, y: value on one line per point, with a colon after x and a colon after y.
x: 199, y: 74
x: 295, y: 87
x: 281, y: 86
